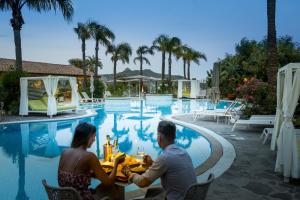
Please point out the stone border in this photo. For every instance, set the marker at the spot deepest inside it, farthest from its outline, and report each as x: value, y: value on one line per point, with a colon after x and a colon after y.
x: 88, y: 113
x: 221, y: 158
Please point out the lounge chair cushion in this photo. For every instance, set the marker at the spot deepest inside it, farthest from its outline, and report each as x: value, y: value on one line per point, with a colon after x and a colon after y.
x: 45, y: 100
x: 37, y: 105
x: 61, y: 107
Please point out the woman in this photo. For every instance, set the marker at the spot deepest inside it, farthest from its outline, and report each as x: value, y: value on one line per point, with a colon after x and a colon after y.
x: 77, y: 165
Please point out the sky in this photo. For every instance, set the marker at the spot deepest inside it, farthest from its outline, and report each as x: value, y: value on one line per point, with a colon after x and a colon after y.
x: 212, y: 27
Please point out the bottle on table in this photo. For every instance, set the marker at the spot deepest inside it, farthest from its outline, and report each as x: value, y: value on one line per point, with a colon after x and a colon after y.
x: 107, y: 149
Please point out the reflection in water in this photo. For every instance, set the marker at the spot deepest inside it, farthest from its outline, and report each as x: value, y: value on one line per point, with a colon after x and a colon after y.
x: 185, y: 136
x: 125, y: 144
x: 15, y: 146
x: 25, y: 144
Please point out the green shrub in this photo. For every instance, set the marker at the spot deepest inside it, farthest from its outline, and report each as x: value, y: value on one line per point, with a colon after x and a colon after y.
x: 259, y: 97
x: 99, y: 88
x: 165, y: 87
x: 10, y: 90
x: 118, y: 91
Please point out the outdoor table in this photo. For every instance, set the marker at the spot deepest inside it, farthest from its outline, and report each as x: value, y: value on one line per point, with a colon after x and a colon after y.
x: 121, y: 184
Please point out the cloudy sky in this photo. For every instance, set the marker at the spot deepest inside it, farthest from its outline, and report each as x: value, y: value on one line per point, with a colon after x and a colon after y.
x: 210, y: 26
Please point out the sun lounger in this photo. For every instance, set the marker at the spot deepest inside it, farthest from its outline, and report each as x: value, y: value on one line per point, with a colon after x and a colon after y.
x: 232, y: 109
x: 256, y: 121
x: 266, y: 133
x: 86, y: 98
x: 41, y: 106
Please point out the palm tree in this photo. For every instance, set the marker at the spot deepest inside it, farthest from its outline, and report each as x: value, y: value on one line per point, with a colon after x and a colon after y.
x: 83, y: 34
x: 172, y: 46
x: 77, y: 62
x: 195, y: 57
x: 93, y: 64
x: 102, y: 35
x: 120, y: 52
x: 141, y: 51
x: 271, y: 43
x: 160, y: 43
x: 90, y: 63
x: 17, y: 20
x: 182, y: 52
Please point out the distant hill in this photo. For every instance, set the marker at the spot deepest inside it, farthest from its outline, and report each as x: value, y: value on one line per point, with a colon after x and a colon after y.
x: 129, y: 72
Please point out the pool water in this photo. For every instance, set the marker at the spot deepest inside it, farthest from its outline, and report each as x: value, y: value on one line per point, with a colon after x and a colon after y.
x: 30, y: 152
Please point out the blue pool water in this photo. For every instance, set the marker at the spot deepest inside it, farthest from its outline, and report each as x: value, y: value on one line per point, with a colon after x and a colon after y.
x: 30, y: 152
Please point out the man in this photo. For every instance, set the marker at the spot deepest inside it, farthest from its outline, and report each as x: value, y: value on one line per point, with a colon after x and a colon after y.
x: 174, y: 167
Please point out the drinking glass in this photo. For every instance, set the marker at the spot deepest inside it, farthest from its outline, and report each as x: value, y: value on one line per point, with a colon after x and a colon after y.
x: 140, y: 155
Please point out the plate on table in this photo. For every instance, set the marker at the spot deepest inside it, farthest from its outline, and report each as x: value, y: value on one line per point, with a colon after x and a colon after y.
x: 107, y: 168
x: 138, y: 168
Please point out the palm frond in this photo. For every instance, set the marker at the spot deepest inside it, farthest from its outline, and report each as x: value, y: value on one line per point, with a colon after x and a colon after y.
x: 65, y: 6
x: 136, y: 59
x: 146, y: 60
x: 82, y: 31
x: 5, y: 4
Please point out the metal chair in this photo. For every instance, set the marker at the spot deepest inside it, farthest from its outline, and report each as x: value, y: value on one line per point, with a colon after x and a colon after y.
x: 64, y: 193
x: 198, y: 191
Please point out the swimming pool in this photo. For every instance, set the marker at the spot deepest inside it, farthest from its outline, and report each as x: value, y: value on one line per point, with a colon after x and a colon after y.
x: 30, y: 152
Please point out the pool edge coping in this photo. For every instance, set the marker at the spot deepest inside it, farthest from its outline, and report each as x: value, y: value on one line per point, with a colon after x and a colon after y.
x: 88, y: 113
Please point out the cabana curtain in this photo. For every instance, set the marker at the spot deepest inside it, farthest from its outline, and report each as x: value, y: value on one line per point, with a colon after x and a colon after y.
x: 287, y: 155
x: 279, y: 113
x: 285, y: 135
x: 51, y: 86
x: 75, y: 98
x: 24, y: 97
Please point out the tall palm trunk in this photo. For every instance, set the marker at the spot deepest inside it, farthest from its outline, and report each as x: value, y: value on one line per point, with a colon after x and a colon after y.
x: 21, y: 182
x: 141, y: 66
x: 271, y: 41
x: 115, y: 74
x: 141, y: 72
x: 170, y: 65
x: 184, y: 68
x: 188, y: 70
x: 163, y: 64
x: 17, y: 22
x: 96, y: 61
x: 84, y: 64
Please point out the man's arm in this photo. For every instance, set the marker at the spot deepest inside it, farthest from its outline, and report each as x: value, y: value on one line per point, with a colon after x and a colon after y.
x: 156, y: 170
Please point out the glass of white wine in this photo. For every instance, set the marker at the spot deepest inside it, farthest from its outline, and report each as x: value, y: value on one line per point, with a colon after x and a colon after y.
x: 140, y: 155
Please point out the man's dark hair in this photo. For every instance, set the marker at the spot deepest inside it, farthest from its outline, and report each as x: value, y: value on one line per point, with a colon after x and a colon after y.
x: 82, y: 134
x: 168, y: 130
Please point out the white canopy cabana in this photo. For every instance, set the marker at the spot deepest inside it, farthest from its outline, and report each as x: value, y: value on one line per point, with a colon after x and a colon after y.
x: 190, y: 89
x: 288, y: 91
x: 50, y: 84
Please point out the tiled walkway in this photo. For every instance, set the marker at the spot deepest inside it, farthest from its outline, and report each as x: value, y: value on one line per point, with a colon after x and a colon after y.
x: 251, y: 177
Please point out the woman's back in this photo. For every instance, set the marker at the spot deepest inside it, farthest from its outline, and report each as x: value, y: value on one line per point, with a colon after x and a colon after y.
x: 74, y: 171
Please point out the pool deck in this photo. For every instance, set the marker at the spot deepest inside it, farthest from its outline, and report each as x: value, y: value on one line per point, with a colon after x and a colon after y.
x: 252, y: 175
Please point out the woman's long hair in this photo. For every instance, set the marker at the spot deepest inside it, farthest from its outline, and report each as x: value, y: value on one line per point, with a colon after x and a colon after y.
x: 82, y: 134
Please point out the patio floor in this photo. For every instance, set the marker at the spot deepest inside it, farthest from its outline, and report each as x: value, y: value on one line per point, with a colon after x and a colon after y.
x: 251, y: 176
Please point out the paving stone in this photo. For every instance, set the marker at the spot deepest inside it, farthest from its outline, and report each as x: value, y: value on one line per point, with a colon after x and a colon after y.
x: 258, y: 188
x: 283, y: 196
x: 297, y: 196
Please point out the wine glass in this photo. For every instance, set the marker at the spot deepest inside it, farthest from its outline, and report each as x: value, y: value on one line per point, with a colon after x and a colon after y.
x: 140, y: 155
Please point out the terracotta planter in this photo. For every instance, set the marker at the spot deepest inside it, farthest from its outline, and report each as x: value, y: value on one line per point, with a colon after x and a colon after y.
x: 231, y: 96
